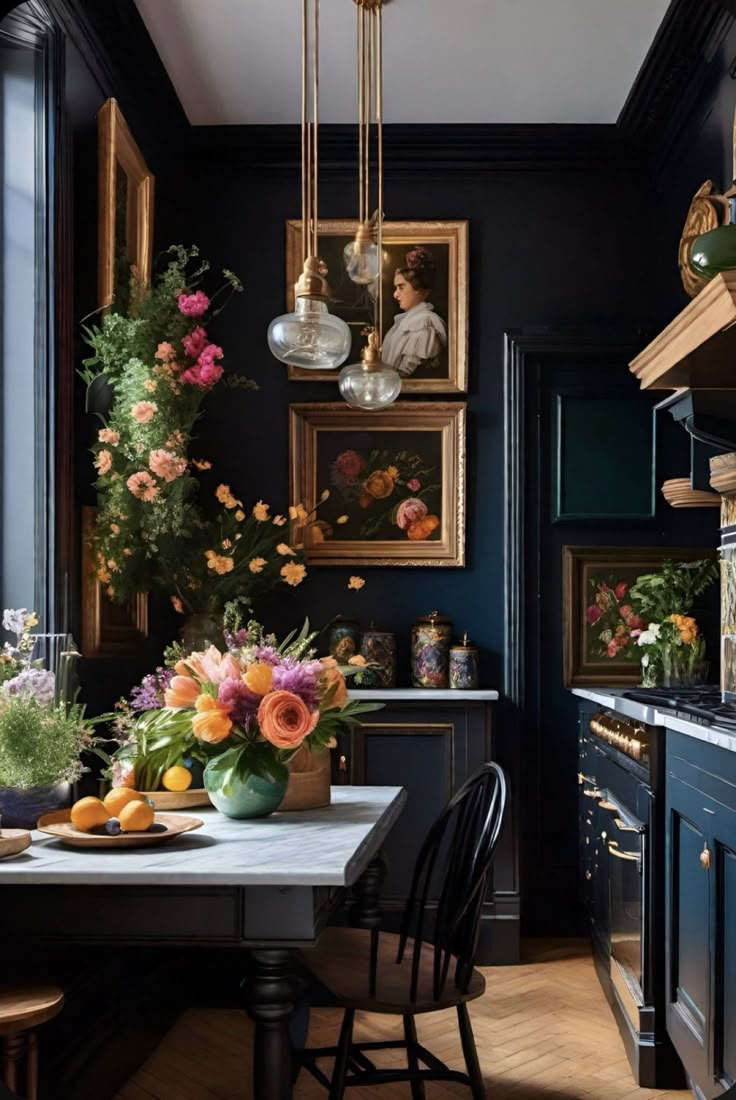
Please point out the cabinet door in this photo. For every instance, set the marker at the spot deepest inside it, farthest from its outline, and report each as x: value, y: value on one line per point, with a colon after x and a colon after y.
x: 688, y: 921
x: 723, y: 910
x: 430, y: 753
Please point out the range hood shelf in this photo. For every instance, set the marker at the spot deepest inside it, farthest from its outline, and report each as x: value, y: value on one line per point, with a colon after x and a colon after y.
x: 698, y: 349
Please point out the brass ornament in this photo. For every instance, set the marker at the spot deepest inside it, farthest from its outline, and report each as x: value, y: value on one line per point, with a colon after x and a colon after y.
x: 708, y: 210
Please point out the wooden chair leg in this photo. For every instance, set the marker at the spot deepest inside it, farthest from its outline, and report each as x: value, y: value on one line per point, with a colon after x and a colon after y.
x: 13, y: 1051
x: 410, y: 1035
x: 470, y: 1053
x: 339, y: 1073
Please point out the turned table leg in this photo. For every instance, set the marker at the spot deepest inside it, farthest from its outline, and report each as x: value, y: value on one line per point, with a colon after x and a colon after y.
x: 270, y: 993
x: 13, y: 1052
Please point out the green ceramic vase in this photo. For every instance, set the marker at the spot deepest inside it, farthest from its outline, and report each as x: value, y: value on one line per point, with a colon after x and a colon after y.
x: 255, y: 796
x: 715, y: 251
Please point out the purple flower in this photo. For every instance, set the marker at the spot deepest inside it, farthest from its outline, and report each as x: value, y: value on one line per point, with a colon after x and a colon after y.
x: 267, y: 654
x: 32, y: 683
x: 300, y: 677
x: 241, y: 701
x: 149, y: 695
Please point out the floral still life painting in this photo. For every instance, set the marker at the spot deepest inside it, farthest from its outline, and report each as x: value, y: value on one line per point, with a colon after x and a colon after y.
x: 395, y: 483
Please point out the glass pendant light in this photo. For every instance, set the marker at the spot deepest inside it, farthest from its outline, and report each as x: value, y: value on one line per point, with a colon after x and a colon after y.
x: 371, y: 383
x: 310, y: 337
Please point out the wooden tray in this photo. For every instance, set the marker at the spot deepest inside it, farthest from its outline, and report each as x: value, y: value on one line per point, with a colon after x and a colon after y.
x: 58, y: 824
x: 178, y: 800
x: 13, y: 841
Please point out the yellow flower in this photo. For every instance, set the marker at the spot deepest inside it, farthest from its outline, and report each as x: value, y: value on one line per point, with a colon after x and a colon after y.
x: 127, y: 551
x: 258, y: 678
x: 226, y: 544
x: 292, y: 512
x: 293, y: 573
x: 260, y: 511
x: 150, y: 385
x: 392, y: 472
x: 256, y: 565
x: 343, y: 519
x: 114, y: 528
x: 201, y: 464
x: 219, y: 563
x: 356, y: 583
x: 279, y: 520
x: 223, y: 494
x: 103, y: 576
x: 285, y: 550
x: 325, y: 494
x: 357, y: 659
x: 178, y: 605
x: 298, y: 511
x: 32, y: 619
x: 240, y: 515
x: 379, y: 485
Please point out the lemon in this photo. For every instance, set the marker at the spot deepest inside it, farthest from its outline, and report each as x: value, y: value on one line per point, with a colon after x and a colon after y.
x: 118, y: 797
x: 136, y: 817
x: 89, y: 812
x: 177, y: 778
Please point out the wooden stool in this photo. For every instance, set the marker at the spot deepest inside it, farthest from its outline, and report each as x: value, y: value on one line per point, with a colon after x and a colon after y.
x: 22, y: 1010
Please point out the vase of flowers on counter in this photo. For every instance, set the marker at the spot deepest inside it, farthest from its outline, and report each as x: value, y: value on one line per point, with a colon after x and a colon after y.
x: 43, y: 732
x: 243, y: 714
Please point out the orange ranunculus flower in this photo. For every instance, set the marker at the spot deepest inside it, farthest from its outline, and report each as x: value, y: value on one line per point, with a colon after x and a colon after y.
x: 285, y: 719
x: 182, y: 692
x: 258, y: 678
x: 334, y: 676
x: 328, y: 662
x: 424, y: 528
x: 211, y: 722
x: 380, y: 484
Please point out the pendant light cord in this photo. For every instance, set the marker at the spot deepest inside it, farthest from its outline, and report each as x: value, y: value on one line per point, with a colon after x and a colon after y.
x: 310, y: 135
x: 379, y: 138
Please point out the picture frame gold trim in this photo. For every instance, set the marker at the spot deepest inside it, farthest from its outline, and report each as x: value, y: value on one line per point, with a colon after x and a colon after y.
x: 306, y: 421
x: 577, y: 672
x: 452, y: 233
x: 116, y: 146
x: 108, y: 629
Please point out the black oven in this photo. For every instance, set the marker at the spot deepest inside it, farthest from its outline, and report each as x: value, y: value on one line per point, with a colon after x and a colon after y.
x: 622, y: 876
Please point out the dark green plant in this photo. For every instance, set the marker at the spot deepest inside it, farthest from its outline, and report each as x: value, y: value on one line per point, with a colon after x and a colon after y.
x: 40, y: 745
x: 673, y: 590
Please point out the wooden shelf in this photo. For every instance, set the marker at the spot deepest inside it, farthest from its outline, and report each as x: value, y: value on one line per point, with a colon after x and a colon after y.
x: 698, y: 348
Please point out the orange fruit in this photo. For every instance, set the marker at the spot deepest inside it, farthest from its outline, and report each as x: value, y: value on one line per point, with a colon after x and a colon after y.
x: 118, y: 797
x: 136, y: 817
x: 177, y: 778
x: 89, y: 812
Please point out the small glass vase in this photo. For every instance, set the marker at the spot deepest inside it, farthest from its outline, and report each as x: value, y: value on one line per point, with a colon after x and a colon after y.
x: 651, y: 671
x: 679, y: 669
x: 254, y: 796
x: 201, y: 631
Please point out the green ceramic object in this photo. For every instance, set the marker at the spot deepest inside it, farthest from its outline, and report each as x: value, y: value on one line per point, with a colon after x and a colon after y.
x: 251, y: 797
x: 715, y: 251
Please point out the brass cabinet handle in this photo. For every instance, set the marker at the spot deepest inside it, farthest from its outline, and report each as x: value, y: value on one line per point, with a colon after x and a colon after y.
x: 615, y: 851
x: 595, y: 793
x: 624, y: 828
x: 342, y: 768
x: 705, y: 858
x: 606, y: 805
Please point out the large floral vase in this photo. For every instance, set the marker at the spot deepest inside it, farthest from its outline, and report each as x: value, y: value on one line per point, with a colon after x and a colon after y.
x: 201, y: 631
x: 254, y: 796
x: 21, y: 809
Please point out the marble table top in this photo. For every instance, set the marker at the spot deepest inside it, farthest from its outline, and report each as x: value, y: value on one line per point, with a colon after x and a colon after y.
x: 330, y: 846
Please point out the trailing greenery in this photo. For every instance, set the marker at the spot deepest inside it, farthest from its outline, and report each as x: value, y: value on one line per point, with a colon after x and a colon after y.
x: 40, y: 745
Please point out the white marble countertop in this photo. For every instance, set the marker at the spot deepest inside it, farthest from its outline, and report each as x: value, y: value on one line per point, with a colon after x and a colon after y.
x: 445, y: 695
x: 653, y: 716
x: 330, y: 846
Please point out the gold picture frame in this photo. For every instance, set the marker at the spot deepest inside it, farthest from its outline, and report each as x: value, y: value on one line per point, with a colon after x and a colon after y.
x: 396, y: 481
x: 125, y: 214
x: 108, y: 629
x: 448, y: 243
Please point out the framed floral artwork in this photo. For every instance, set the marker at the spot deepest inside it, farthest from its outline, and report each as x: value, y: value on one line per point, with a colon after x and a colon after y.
x: 425, y: 335
x: 597, y: 615
x: 390, y: 485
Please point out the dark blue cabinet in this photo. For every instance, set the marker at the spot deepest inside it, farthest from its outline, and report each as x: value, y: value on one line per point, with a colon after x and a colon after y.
x: 701, y: 910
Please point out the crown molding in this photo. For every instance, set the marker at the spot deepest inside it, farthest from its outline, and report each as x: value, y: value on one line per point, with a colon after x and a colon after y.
x: 681, y: 62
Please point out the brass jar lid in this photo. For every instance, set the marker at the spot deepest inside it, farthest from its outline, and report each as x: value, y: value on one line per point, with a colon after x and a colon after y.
x: 434, y: 617
x: 464, y: 644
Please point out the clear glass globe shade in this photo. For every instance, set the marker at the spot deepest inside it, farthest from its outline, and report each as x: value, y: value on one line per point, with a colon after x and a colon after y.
x: 361, y: 261
x: 310, y: 337
x: 364, y: 389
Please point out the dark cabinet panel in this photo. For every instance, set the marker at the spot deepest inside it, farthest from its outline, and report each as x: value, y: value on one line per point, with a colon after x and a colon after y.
x: 431, y: 748
x: 724, y: 962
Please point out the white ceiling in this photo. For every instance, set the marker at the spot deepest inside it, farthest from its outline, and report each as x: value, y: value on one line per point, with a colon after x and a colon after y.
x: 462, y: 61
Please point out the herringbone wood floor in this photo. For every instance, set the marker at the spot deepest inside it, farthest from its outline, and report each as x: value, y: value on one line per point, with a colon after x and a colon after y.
x: 543, y: 1031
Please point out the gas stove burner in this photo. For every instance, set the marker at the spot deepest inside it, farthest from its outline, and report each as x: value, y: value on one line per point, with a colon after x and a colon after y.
x: 698, y: 704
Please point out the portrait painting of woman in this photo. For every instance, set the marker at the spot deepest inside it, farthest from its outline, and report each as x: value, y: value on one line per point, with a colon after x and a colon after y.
x: 425, y: 299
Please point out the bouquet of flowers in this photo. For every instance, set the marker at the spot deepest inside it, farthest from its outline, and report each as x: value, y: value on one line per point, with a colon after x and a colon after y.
x: 242, y: 713
x: 42, y: 730
x: 158, y: 363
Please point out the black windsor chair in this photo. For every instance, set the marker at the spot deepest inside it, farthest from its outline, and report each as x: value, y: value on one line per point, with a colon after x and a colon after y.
x: 402, y: 974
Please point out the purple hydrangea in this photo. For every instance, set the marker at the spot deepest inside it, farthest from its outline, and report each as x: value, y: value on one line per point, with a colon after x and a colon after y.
x: 240, y: 700
x: 32, y: 683
x: 300, y: 677
x: 149, y: 695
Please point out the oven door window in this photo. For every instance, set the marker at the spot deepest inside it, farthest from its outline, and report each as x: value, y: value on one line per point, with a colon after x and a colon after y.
x: 626, y: 851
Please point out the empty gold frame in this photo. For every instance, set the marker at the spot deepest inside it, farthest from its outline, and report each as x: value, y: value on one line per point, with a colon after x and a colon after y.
x: 125, y: 215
